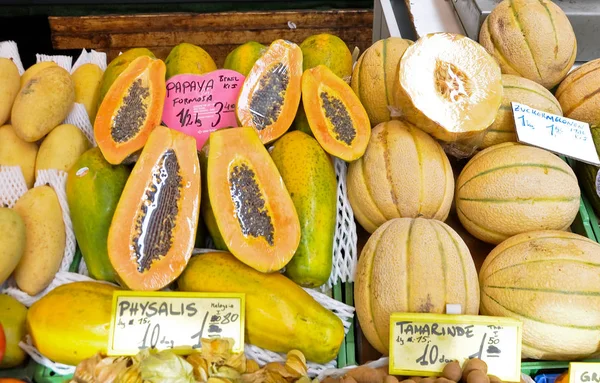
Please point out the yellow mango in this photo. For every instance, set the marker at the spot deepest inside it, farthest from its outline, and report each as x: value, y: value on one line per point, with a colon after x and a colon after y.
x: 13, y: 318
x: 45, y: 231
x: 16, y: 152
x: 43, y: 103
x: 9, y: 78
x: 87, y: 80
x: 12, y: 241
x: 280, y: 315
x: 71, y: 323
x: 61, y: 148
x: 35, y: 69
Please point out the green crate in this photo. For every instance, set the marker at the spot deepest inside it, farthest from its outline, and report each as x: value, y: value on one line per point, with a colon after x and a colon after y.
x: 586, y: 222
x: 347, y: 356
x: 533, y: 368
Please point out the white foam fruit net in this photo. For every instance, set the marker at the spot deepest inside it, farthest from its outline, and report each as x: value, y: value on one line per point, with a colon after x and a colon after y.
x: 12, y: 187
x: 345, y: 238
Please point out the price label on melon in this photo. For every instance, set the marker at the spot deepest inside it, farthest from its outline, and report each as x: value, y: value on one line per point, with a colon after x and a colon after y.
x: 555, y: 133
x: 584, y: 372
x: 174, y: 320
x: 422, y: 344
x: 200, y: 104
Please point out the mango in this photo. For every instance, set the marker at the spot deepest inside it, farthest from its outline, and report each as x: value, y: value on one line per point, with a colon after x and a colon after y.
x: 13, y: 318
x: 280, y: 315
x: 71, y: 323
x: 61, y: 148
x: 10, y: 80
x: 45, y: 231
x: 87, y: 80
x: 43, y: 103
x: 12, y: 242
x: 35, y: 69
x: 189, y: 58
x: 16, y: 152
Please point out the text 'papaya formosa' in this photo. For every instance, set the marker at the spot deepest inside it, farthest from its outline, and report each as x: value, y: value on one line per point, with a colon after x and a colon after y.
x: 131, y: 109
x: 255, y: 215
x: 336, y: 117
x: 153, y: 230
x: 270, y: 96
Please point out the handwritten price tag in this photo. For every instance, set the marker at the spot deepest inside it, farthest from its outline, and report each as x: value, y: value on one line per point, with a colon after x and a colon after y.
x: 173, y: 320
x: 198, y: 105
x: 584, y: 372
x: 557, y: 134
x: 422, y: 344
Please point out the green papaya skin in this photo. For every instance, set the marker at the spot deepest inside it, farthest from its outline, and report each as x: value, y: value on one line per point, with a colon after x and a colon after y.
x: 188, y: 58
x: 117, y: 66
x: 206, y: 211
x: 94, y: 188
x: 309, y: 176
x: 242, y: 58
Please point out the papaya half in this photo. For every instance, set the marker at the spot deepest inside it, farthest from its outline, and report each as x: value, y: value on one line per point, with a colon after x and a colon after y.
x: 117, y: 66
x: 280, y: 315
x: 93, y: 190
x: 309, y: 176
x: 335, y: 115
x: 253, y: 210
x: 131, y: 109
x: 153, y: 230
x: 205, y: 207
x: 71, y: 323
x: 271, y: 92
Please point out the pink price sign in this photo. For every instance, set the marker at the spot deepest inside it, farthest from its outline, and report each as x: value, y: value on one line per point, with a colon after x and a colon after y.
x: 200, y: 104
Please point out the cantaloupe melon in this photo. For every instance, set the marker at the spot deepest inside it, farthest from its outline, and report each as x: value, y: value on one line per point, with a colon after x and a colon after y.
x: 530, y: 38
x: 579, y: 93
x: 404, y: 173
x: 550, y: 280
x: 508, y: 189
x: 524, y: 91
x: 449, y: 86
x: 373, y: 77
x: 412, y: 265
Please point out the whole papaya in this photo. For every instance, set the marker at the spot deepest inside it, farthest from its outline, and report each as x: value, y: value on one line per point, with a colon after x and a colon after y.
x: 280, y: 315
x: 93, y: 190
x: 309, y: 177
x: 71, y: 323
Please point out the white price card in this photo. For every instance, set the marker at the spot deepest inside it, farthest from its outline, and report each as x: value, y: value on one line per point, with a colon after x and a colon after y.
x: 584, y: 372
x: 555, y: 133
x: 174, y: 320
x: 422, y: 344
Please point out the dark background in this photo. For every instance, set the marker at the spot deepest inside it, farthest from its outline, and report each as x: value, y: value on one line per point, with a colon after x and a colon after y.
x: 26, y: 21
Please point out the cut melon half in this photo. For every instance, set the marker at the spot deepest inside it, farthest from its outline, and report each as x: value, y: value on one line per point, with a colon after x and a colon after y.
x: 449, y: 86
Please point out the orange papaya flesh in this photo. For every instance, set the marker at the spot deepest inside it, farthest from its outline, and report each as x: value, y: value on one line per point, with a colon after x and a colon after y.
x: 252, y: 208
x: 153, y: 230
x: 335, y: 115
x: 271, y: 92
x: 131, y: 109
